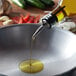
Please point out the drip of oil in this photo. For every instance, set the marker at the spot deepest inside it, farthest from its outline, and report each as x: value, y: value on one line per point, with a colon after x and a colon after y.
x: 31, y: 65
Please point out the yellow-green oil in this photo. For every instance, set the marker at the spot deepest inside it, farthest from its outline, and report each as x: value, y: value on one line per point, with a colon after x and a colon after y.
x: 31, y: 65
x: 35, y: 66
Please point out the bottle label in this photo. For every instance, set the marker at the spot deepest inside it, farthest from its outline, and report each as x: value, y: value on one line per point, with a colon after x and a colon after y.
x: 60, y: 15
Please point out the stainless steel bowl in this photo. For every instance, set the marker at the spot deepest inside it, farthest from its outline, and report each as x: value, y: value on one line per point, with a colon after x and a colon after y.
x: 55, y: 47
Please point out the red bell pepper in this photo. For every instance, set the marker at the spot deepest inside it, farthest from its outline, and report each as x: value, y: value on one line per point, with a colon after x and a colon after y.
x: 26, y: 18
x: 15, y: 19
x: 36, y: 20
x: 20, y: 20
x: 31, y: 20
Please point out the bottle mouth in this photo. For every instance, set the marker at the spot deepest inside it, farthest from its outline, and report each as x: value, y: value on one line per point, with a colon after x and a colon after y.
x: 40, y: 28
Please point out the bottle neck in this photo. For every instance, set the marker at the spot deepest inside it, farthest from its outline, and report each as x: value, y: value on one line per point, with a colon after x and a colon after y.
x: 60, y: 13
x: 50, y: 19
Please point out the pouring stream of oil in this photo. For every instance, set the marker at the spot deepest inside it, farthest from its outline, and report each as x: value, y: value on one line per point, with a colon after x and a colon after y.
x: 32, y: 65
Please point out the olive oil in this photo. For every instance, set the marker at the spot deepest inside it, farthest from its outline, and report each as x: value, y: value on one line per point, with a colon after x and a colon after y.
x: 35, y: 67
x: 31, y: 65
